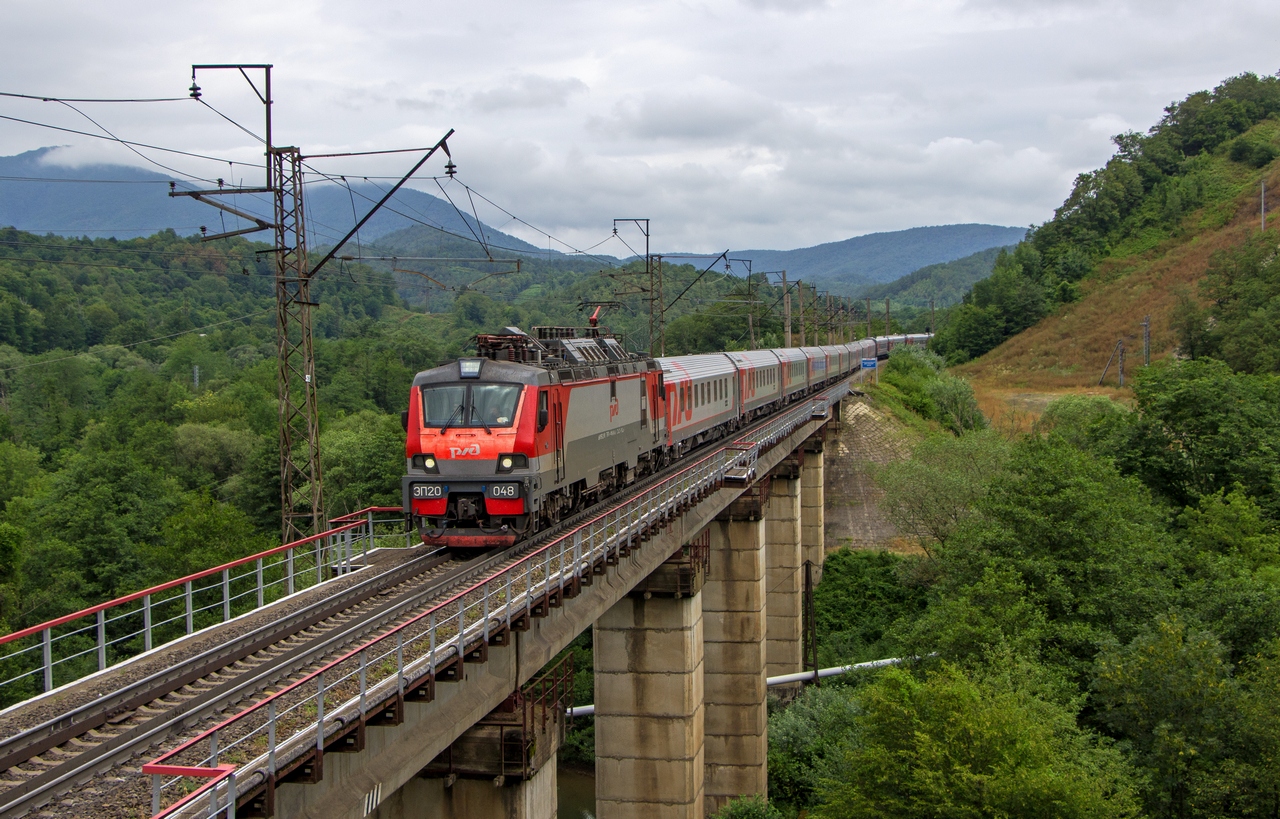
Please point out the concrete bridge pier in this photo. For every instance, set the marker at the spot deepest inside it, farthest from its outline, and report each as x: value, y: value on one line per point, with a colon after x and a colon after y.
x: 812, y: 498
x: 785, y: 571
x: 734, y: 608
x: 649, y: 708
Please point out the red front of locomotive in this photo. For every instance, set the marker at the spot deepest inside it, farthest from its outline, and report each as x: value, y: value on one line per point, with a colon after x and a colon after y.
x: 471, y: 453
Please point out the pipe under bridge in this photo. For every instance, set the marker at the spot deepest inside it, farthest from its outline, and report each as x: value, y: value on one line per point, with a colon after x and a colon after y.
x: 692, y: 582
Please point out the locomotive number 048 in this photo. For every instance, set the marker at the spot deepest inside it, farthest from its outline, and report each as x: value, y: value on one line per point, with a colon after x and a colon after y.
x: 504, y: 490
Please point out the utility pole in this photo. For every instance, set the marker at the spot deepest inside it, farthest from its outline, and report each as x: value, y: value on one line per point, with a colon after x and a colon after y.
x: 1119, y: 349
x: 800, y: 295
x: 931, y: 317
x: 301, y: 483
x: 295, y: 356
x: 786, y: 311
x: 1146, y: 341
x: 751, y: 309
x: 829, y: 319
x: 887, y: 325
x: 653, y: 271
x: 869, y: 318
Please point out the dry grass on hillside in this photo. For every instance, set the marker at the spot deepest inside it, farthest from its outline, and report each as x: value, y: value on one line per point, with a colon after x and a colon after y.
x: 1065, y: 353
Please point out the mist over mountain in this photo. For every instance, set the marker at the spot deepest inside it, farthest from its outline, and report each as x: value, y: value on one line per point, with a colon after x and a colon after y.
x: 124, y: 202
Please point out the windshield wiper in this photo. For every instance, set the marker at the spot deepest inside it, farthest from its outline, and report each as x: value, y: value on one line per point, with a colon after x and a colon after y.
x: 480, y: 419
x: 457, y: 410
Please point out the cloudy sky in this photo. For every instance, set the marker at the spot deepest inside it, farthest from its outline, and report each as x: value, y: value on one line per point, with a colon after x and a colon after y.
x: 729, y: 123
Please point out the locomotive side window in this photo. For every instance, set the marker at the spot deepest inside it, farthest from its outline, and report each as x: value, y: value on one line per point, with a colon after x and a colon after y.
x: 544, y: 413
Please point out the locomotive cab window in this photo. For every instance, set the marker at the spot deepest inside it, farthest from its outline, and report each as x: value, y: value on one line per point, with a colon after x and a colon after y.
x: 470, y: 405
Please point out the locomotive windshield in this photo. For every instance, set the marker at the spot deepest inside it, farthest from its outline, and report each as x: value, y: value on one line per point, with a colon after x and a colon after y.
x: 470, y: 405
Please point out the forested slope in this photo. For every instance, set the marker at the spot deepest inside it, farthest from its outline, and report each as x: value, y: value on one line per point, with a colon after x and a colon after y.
x: 1135, y: 238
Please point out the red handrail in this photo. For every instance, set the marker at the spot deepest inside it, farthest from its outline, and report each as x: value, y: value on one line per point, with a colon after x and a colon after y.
x: 365, y: 511
x: 215, y: 776
x: 129, y: 598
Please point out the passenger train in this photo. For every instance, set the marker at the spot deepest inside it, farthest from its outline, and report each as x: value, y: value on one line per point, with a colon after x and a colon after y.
x: 535, y: 428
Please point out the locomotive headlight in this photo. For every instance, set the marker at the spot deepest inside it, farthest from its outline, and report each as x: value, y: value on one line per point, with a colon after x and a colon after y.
x: 429, y: 462
x: 425, y: 462
x: 506, y: 463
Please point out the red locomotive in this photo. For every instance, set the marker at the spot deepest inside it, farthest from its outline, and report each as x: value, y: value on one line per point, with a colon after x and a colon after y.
x: 534, y: 429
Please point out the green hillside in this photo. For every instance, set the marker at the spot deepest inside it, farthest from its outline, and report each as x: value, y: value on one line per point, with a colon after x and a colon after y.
x: 1157, y: 210
x: 945, y: 284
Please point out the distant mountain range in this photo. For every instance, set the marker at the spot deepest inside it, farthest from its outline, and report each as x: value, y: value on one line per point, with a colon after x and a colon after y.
x: 846, y: 267
x: 127, y: 202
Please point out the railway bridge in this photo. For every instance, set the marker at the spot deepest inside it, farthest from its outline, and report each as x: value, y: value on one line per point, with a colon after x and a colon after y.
x: 337, y: 677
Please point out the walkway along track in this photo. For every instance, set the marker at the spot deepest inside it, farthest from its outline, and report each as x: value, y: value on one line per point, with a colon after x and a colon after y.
x: 285, y: 736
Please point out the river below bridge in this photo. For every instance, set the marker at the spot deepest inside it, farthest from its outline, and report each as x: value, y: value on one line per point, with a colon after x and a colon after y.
x: 576, y: 793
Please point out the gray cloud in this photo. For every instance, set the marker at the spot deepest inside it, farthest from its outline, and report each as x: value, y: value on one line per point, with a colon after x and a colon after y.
x: 529, y: 91
x: 712, y: 114
x: 760, y: 123
x: 787, y: 5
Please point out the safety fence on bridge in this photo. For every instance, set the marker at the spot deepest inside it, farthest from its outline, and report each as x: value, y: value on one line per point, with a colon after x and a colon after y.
x: 38, y: 659
x: 285, y: 736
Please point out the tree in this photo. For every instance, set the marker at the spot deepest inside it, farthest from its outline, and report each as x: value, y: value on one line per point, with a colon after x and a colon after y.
x: 930, y: 494
x: 1171, y: 694
x: 1202, y: 428
x: 960, y: 746
x: 363, y: 461
x: 861, y: 595
x: 1087, y: 543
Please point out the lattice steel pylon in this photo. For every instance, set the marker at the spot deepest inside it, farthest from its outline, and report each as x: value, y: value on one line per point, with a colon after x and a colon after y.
x: 301, y: 485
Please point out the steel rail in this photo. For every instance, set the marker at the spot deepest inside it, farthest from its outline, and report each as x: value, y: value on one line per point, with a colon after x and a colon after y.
x: 40, y: 789
x: 28, y: 743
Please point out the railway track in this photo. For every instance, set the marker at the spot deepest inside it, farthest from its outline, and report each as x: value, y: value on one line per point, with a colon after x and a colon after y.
x: 41, y: 765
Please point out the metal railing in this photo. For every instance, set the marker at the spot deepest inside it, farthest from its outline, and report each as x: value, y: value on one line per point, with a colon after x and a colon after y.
x: 37, y: 659
x: 279, y: 734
